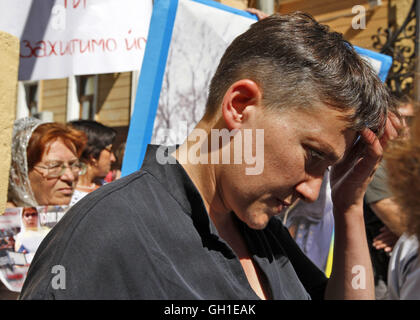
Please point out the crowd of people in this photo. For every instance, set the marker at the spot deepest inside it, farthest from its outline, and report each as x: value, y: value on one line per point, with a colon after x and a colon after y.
x: 58, y: 164
x: 325, y: 202
x: 55, y: 164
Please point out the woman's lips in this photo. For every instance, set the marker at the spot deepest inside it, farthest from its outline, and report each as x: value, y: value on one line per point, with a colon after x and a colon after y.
x: 66, y: 191
x: 281, y: 205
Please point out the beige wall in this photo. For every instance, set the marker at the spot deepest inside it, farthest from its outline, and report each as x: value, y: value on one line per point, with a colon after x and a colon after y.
x: 9, y: 62
x: 113, y: 105
x: 400, y: 10
x: 53, y: 97
x: 239, y: 4
x: 338, y: 15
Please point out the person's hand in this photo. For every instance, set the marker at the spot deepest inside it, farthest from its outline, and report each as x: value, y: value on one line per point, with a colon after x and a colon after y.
x: 260, y: 15
x: 350, y: 177
x: 385, y: 240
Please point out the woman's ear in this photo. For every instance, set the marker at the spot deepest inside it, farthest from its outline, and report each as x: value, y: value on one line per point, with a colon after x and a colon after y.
x: 92, y: 161
x: 239, y: 98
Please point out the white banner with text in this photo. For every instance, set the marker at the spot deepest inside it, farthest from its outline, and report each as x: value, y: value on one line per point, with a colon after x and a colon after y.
x: 60, y: 38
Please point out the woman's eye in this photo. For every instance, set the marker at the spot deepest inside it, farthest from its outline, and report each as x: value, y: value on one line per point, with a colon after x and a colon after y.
x: 54, y: 166
x: 315, y: 155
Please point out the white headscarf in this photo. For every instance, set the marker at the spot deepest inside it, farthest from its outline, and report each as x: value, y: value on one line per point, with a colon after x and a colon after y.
x: 20, y: 191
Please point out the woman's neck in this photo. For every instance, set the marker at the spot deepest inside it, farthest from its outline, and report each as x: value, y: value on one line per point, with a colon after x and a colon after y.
x: 86, y: 181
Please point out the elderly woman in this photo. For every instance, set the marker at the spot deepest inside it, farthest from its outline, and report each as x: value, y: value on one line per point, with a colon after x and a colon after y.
x: 44, y: 171
x: 45, y: 163
x: 403, y: 165
x: 98, y: 156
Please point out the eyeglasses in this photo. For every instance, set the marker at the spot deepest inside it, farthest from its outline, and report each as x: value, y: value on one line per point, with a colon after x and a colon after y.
x: 109, y: 148
x: 57, y: 169
x: 33, y: 214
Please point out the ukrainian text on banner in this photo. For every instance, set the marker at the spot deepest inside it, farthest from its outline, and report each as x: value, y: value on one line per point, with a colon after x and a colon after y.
x: 21, y: 232
x: 59, y: 38
x: 187, y: 38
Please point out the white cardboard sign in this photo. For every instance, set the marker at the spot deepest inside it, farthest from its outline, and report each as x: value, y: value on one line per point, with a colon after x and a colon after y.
x: 59, y: 38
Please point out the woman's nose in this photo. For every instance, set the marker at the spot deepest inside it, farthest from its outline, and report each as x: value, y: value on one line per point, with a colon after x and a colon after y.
x: 310, y: 188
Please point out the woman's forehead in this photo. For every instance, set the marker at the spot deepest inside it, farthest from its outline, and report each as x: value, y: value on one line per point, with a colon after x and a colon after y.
x: 59, y: 149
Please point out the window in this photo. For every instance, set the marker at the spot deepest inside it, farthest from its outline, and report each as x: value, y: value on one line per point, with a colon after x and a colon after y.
x: 86, y: 89
x: 32, y: 97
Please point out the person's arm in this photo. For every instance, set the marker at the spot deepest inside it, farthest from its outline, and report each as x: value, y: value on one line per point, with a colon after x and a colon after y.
x: 385, y: 240
x: 352, y: 275
x: 260, y: 14
x: 379, y: 202
x: 389, y: 213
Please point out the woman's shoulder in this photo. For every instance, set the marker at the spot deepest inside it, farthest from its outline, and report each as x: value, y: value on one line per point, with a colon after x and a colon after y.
x: 10, y: 204
x: 77, y: 195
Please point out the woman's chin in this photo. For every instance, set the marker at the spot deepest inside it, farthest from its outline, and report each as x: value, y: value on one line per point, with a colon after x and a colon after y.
x: 259, y: 222
x: 63, y: 200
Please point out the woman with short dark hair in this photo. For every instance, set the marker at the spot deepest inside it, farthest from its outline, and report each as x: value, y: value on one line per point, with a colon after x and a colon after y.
x: 98, y: 156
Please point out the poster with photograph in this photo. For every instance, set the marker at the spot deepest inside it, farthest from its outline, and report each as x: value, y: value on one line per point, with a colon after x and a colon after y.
x: 21, y: 232
x: 185, y: 43
x: 187, y: 38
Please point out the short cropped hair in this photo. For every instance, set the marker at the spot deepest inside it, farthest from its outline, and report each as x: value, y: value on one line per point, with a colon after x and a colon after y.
x: 298, y: 62
x: 46, y: 133
x: 99, y: 137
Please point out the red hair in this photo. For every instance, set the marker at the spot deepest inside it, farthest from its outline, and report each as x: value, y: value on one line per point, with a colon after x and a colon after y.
x: 403, y: 168
x: 46, y: 133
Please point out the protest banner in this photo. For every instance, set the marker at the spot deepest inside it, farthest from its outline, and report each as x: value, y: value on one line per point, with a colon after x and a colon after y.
x: 186, y: 41
x: 381, y: 63
x: 60, y: 38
